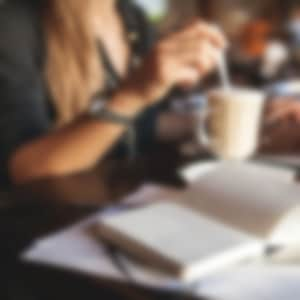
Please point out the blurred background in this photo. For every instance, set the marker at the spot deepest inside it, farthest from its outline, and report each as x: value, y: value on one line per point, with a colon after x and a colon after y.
x: 264, y: 34
x: 264, y: 49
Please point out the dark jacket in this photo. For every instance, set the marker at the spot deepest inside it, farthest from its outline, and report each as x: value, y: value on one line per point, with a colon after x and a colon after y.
x: 26, y: 112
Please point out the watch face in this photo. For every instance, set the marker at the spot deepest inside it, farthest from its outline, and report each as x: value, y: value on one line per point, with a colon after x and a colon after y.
x: 155, y: 9
x: 97, y: 105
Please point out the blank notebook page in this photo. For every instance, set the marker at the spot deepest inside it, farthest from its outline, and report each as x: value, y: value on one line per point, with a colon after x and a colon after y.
x: 176, y: 232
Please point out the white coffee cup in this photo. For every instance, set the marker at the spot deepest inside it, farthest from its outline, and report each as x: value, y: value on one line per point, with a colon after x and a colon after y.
x: 231, y: 122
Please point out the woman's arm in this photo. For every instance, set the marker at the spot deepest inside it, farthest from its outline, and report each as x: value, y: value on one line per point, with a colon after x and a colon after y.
x: 76, y: 147
x: 181, y: 59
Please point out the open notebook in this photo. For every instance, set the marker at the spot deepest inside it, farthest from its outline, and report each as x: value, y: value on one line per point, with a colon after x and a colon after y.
x: 231, y: 213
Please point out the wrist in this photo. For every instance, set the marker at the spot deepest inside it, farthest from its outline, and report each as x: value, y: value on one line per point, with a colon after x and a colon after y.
x: 152, y: 92
x: 127, y: 102
x: 136, y: 95
x: 149, y: 88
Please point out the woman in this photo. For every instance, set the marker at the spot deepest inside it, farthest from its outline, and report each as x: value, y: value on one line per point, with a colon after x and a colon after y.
x: 57, y: 56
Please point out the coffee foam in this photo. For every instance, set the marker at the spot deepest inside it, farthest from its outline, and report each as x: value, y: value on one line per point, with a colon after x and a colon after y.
x: 236, y: 93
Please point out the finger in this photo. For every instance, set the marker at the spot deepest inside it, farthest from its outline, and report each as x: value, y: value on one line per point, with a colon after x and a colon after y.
x: 194, y: 38
x: 281, y: 109
x: 190, y: 46
x: 208, y: 58
x: 279, y: 114
x: 187, y: 31
x: 278, y: 104
x: 204, y: 31
x: 204, y: 57
x: 188, y: 77
x: 213, y: 34
x: 217, y: 36
x: 193, y: 51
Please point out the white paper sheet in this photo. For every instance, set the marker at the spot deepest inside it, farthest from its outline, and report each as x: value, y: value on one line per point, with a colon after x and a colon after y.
x: 77, y: 249
x: 194, y: 172
x: 292, y: 161
x: 254, y: 283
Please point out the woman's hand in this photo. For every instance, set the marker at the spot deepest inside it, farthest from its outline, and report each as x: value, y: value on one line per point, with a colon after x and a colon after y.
x: 283, y: 110
x: 183, y: 58
x: 281, y: 133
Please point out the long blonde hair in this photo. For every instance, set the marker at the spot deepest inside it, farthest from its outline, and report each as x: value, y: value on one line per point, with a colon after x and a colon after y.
x: 72, y: 70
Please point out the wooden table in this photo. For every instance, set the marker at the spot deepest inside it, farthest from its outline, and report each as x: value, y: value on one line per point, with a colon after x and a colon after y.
x: 43, y: 207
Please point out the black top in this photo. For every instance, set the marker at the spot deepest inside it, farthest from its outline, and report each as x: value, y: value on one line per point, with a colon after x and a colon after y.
x: 25, y: 109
